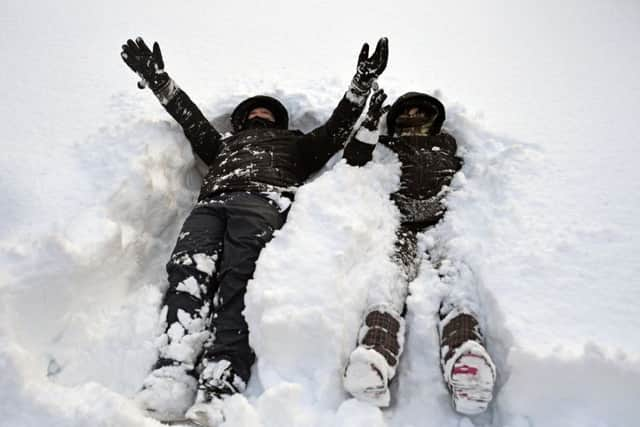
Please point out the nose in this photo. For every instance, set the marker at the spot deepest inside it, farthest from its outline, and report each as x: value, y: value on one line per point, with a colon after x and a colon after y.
x: 413, y: 111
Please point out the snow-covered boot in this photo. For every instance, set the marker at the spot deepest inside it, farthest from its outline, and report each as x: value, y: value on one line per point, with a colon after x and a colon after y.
x: 373, y: 363
x: 217, y: 380
x: 467, y: 367
x: 168, y: 391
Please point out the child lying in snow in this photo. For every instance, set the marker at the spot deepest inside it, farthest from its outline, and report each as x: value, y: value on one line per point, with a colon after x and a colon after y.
x: 204, y: 352
x: 429, y: 161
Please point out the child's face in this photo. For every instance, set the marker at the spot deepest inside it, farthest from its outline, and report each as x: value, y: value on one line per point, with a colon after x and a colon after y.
x: 261, y: 112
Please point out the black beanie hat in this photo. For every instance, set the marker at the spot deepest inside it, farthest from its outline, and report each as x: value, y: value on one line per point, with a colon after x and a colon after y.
x: 416, y: 99
x: 243, y: 109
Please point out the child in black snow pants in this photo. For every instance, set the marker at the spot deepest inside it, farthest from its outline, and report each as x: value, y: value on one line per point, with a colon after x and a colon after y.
x: 204, y: 352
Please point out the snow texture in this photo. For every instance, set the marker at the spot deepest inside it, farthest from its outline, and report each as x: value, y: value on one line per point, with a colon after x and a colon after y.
x: 168, y: 393
x: 367, y: 376
x: 540, y: 239
x: 367, y: 136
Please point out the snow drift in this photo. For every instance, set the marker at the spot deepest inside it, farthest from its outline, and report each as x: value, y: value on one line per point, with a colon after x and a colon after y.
x: 80, y: 315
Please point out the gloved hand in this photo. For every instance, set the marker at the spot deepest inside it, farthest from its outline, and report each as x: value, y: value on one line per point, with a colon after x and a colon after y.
x: 360, y: 148
x: 147, y: 64
x: 369, y: 68
x: 376, y: 110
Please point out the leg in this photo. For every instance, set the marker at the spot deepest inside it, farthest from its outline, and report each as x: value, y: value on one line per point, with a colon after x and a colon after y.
x: 251, y: 221
x: 170, y: 388
x: 226, y: 363
x: 467, y: 367
x: 192, y: 282
x: 372, y: 365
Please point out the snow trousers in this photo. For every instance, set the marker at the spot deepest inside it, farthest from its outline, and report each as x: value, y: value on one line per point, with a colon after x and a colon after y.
x: 208, y: 271
x: 392, y: 290
x: 383, y: 326
x: 458, y: 320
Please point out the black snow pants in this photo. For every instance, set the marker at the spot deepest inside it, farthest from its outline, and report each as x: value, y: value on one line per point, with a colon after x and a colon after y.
x: 212, y: 262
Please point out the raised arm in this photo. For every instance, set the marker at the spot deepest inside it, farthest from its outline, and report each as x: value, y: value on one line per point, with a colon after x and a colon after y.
x: 323, y: 142
x: 359, y: 149
x: 149, y: 65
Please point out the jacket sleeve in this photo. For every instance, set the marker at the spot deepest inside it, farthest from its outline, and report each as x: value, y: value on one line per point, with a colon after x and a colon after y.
x: 204, y: 139
x: 319, y: 145
x: 359, y: 149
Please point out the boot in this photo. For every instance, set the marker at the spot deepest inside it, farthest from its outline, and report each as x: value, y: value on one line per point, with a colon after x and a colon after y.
x: 217, y: 380
x: 373, y: 363
x: 168, y: 391
x: 467, y: 368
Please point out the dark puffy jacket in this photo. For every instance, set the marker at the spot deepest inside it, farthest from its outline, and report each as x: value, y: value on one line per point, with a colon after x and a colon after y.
x: 428, y: 164
x: 261, y: 160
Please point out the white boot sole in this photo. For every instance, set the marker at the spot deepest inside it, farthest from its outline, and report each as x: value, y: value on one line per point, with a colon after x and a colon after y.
x: 472, y: 382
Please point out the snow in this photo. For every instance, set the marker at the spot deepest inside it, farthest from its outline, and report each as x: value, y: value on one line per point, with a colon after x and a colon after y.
x: 540, y: 239
x: 367, y: 136
x: 364, y: 382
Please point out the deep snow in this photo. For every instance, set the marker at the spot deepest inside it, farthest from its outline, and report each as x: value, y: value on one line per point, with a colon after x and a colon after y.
x: 543, y: 221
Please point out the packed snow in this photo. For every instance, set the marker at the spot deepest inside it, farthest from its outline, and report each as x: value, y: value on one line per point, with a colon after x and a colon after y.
x: 541, y: 234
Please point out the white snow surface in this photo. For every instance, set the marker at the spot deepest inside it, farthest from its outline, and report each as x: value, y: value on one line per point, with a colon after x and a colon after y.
x: 542, y: 228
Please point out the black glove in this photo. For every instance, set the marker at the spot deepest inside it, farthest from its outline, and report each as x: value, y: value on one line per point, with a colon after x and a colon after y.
x: 376, y: 110
x: 360, y: 148
x: 369, y: 68
x: 147, y: 64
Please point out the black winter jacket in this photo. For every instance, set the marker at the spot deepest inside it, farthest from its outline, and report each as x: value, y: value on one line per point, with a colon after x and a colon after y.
x: 428, y: 165
x: 261, y: 160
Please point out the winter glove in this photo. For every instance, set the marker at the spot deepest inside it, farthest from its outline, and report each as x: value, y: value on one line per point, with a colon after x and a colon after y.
x: 376, y: 110
x: 360, y: 148
x: 369, y: 68
x: 146, y: 63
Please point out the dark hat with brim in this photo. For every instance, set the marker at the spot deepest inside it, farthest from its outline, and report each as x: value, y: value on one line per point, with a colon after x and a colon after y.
x: 243, y: 109
x: 420, y: 100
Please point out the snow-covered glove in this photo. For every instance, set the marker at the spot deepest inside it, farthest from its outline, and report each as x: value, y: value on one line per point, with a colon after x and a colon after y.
x: 360, y: 148
x: 376, y: 110
x: 368, y: 131
x: 369, y: 68
x: 146, y: 63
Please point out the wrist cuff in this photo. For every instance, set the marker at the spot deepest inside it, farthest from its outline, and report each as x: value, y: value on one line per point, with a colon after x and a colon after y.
x: 167, y: 91
x: 367, y: 136
x: 357, y: 93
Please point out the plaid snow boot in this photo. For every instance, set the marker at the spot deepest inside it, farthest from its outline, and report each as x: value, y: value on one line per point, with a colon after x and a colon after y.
x: 217, y: 380
x: 468, y: 369
x: 373, y: 363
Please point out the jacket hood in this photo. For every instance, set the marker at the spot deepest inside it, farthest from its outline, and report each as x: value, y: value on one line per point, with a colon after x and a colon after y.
x: 243, y: 109
x: 415, y: 99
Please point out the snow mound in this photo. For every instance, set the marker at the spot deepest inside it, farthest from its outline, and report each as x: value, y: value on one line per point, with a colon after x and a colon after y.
x: 79, y: 307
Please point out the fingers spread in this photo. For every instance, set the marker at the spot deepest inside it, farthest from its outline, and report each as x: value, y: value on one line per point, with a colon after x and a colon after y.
x: 381, y: 54
x: 143, y: 46
x: 364, y: 53
x: 127, y: 56
x: 157, y: 56
x: 132, y: 45
x: 383, y: 43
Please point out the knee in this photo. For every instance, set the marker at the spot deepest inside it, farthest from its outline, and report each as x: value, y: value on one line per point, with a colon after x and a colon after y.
x: 201, y: 265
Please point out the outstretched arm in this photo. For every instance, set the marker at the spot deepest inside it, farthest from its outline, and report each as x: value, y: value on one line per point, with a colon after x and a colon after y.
x: 325, y: 141
x: 359, y: 149
x: 149, y: 65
